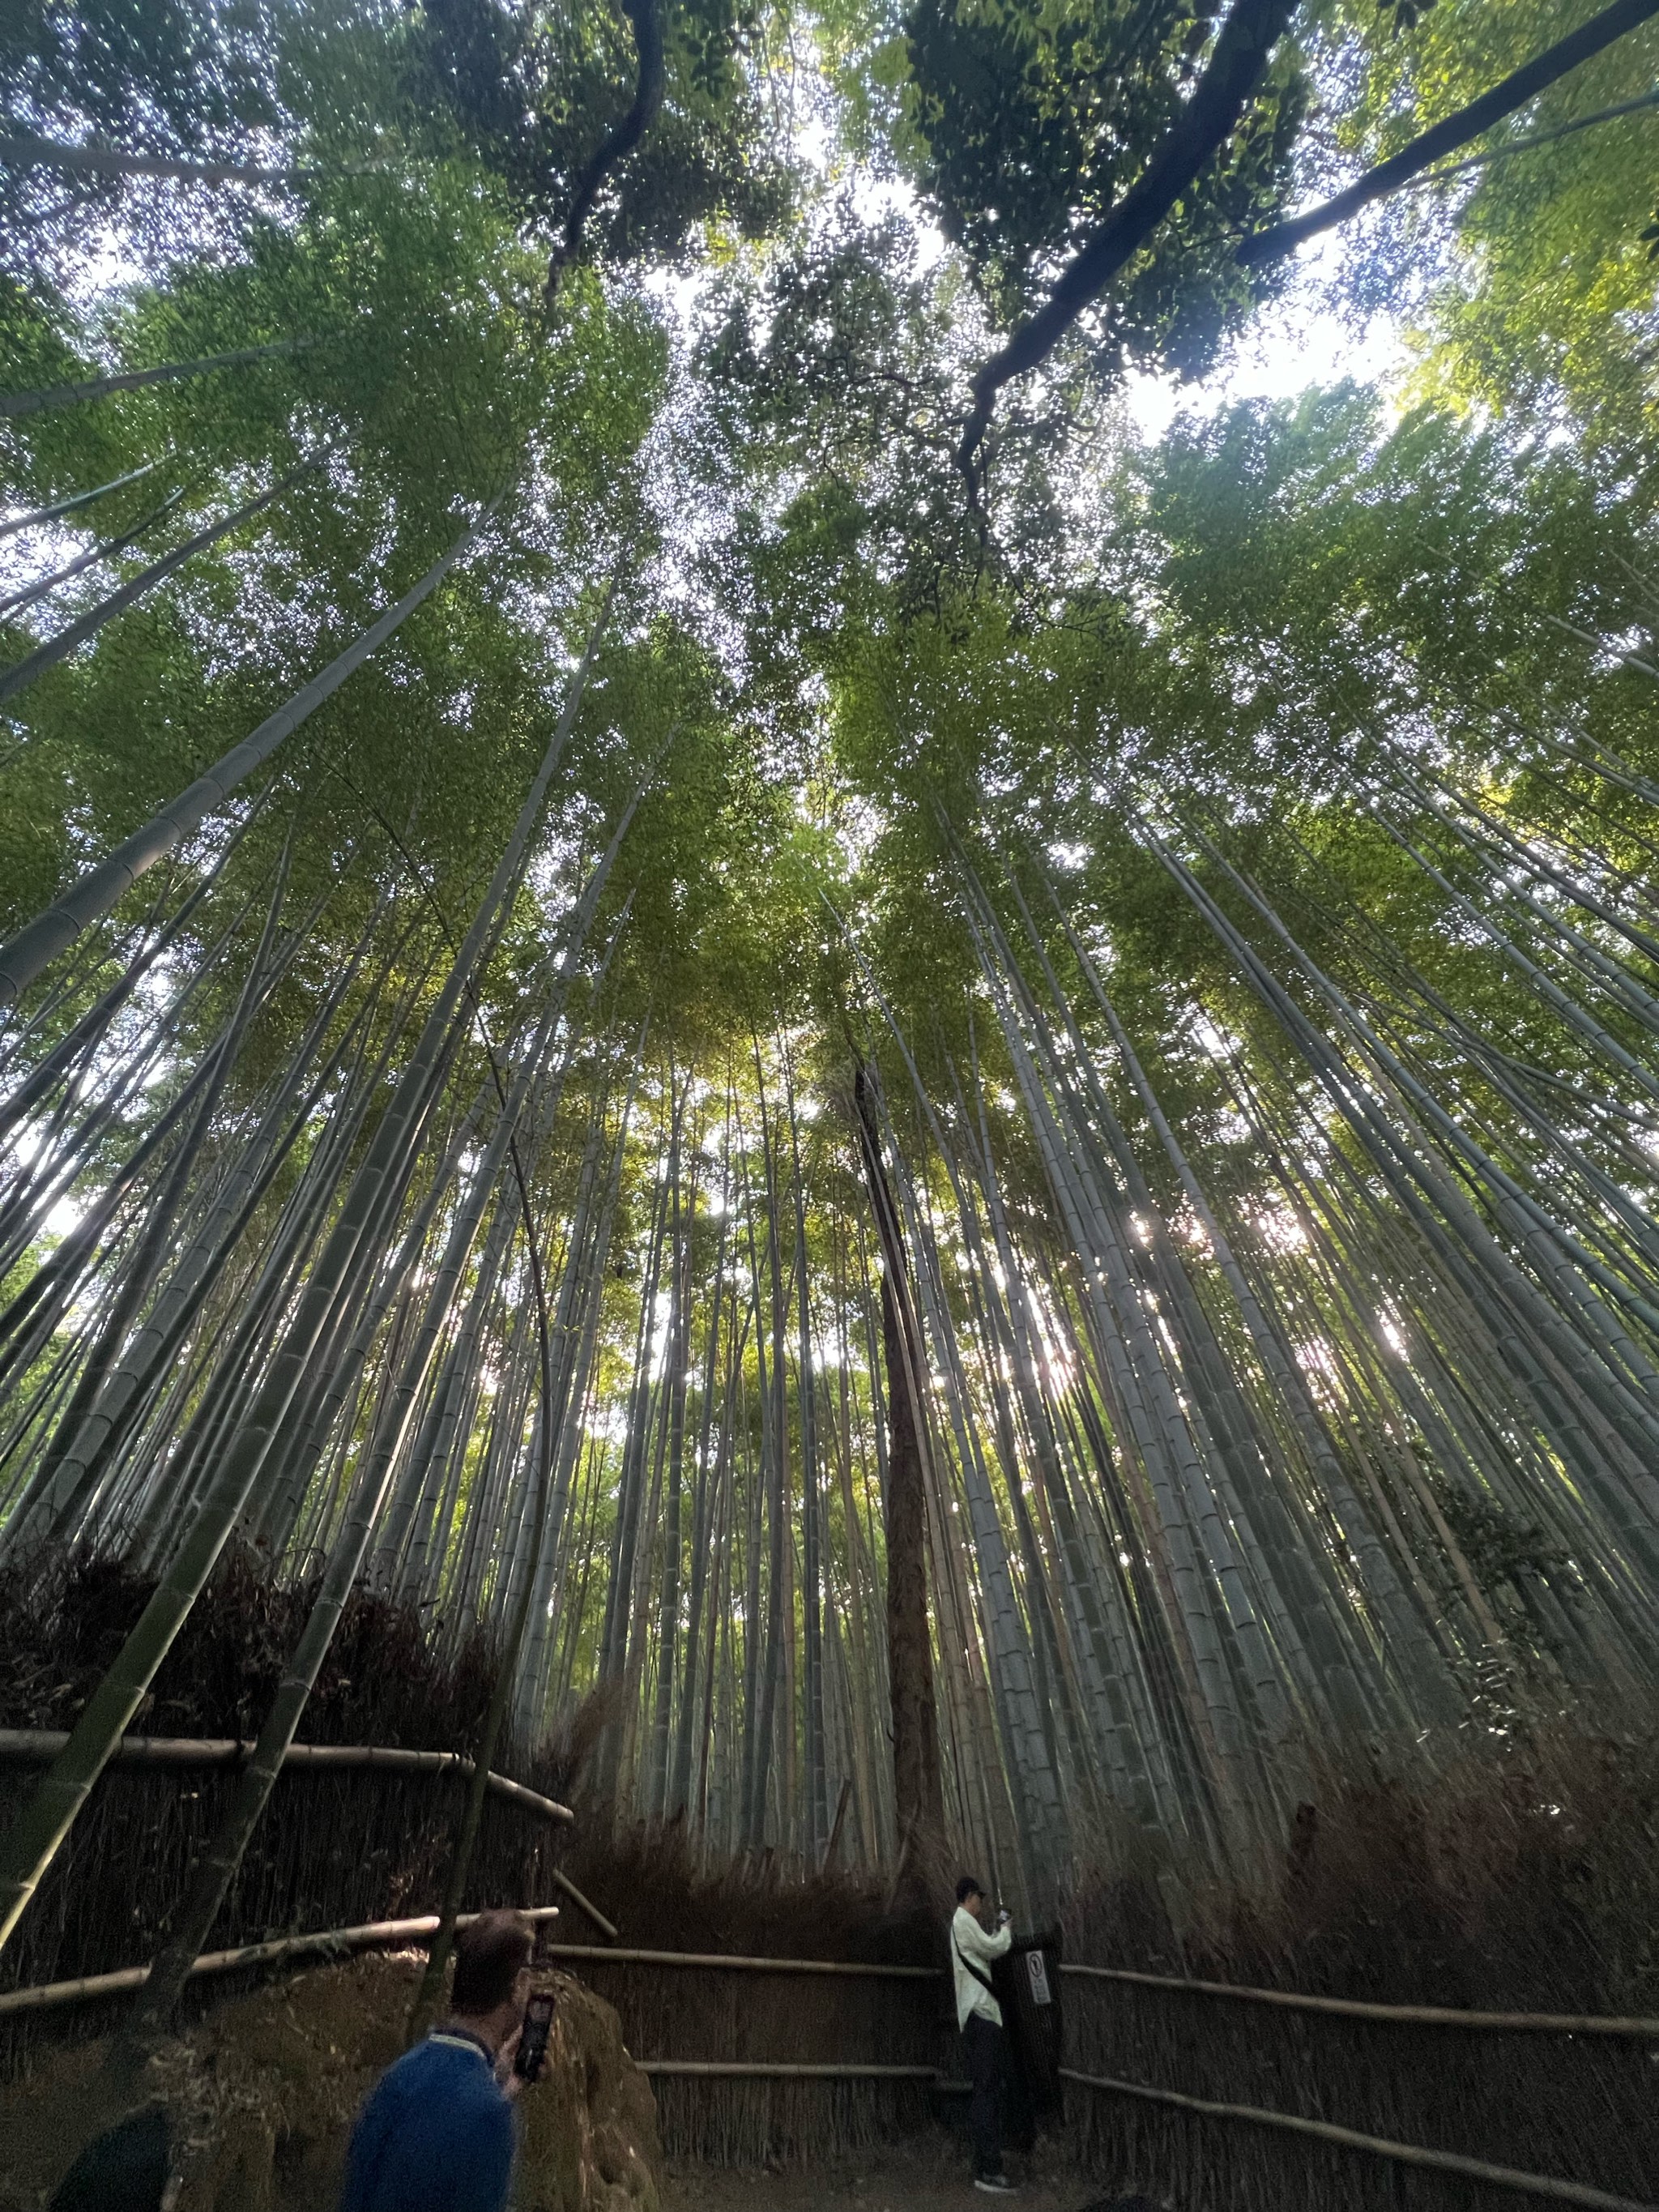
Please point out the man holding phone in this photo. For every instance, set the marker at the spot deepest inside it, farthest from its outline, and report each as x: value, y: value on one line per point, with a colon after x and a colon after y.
x: 436, y: 2133
x: 980, y: 2018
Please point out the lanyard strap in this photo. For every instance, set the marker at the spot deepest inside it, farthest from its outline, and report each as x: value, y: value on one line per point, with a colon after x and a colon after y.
x: 461, y: 2039
x: 984, y: 1980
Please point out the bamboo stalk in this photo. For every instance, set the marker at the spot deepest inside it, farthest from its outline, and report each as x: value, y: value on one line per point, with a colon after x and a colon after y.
x: 46, y: 1994
x: 71, y: 395
x: 39, y: 1747
x: 33, y: 520
x: 107, y: 160
x: 1540, y: 2023
x: 52, y: 932
x: 64, y: 642
x: 705, y: 1961
x: 1442, y: 2161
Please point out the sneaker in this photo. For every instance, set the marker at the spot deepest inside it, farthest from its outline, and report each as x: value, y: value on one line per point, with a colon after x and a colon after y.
x: 995, y: 2185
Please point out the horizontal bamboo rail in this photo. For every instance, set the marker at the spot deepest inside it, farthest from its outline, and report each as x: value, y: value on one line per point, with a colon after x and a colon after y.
x: 1408, y: 2015
x: 368, y: 1936
x: 743, y: 2069
x: 1535, y: 2023
x: 39, y: 1747
x: 707, y: 1961
x: 1442, y: 2161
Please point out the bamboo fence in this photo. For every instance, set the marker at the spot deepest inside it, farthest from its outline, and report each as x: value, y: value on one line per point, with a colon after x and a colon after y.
x: 39, y: 1747
x: 757, y: 2059
x: 330, y: 1942
x: 353, y: 1842
x: 1516, y: 2023
x: 1406, y: 2154
x: 1217, y: 2092
x: 726, y: 1962
x: 755, y: 2104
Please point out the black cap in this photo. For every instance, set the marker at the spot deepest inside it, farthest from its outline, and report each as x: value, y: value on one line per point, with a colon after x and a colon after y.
x: 123, y: 2170
x: 970, y: 1885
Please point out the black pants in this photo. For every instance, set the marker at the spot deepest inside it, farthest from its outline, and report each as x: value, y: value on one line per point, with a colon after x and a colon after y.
x: 988, y: 2070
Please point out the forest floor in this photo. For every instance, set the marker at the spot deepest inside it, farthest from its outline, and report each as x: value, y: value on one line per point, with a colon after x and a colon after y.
x: 929, y: 2174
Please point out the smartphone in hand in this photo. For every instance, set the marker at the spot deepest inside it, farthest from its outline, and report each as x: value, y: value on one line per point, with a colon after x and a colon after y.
x: 531, y: 2056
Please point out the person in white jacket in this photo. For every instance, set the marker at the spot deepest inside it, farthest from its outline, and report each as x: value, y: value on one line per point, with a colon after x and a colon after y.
x: 980, y: 2018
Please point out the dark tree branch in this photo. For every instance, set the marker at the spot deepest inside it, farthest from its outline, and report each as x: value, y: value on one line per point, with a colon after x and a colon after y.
x: 1445, y: 137
x: 1246, y: 39
x: 648, y: 101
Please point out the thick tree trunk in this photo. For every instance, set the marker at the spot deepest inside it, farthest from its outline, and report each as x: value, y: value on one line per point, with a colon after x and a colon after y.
x: 918, y: 1788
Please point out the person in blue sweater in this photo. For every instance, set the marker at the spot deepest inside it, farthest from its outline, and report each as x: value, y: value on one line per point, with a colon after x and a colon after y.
x: 436, y: 2132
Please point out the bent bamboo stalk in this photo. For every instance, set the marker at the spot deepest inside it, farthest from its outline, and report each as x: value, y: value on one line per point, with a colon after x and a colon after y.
x: 1537, y: 2023
x: 1443, y: 2161
x: 39, y: 1747
x: 706, y: 1960
x: 62, y: 642
x: 371, y: 1934
x: 585, y: 1905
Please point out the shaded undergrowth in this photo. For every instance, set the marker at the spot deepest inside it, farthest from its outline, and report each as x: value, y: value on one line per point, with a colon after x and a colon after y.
x: 383, y: 1681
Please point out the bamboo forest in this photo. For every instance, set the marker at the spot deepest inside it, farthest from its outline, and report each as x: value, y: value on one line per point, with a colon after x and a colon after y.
x: 829, y: 869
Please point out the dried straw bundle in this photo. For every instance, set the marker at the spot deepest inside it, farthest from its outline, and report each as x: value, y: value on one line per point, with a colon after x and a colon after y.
x: 63, y: 1621
x: 667, y: 1892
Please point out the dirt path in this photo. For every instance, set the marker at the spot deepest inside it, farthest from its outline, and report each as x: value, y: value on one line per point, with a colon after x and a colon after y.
x: 927, y: 2176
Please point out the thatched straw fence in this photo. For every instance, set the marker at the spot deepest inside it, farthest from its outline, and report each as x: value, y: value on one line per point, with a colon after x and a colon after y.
x: 747, y: 2123
x: 352, y: 1845
x: 797, y: 2059
x: 1514, y: 1883
x: 1564, y: 2102
x: 785, y: 2059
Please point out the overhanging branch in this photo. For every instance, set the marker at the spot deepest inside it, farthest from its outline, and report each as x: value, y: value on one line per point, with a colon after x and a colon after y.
x: 648, y: 101
x: 1248, y: 37
x: 1446, y: 136
x: 1234, y: 67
